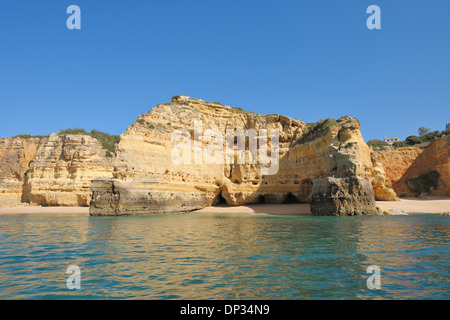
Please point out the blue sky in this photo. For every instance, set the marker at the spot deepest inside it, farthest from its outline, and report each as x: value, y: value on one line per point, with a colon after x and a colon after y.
x: 304, y: 59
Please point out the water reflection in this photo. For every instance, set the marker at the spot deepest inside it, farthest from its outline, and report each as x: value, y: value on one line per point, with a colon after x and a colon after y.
x: 234, y: 256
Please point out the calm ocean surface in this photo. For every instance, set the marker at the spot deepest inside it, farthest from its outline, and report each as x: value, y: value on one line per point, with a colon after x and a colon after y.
x: 232, y: 256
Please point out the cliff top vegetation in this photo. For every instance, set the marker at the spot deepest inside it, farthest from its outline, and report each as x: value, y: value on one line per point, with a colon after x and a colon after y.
x: 108, y: 141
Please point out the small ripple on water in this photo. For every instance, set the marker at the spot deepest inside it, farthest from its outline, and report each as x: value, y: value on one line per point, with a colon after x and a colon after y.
x: 218, y: 257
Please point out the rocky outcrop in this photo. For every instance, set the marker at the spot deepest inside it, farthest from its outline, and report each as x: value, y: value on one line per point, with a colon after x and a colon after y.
x: 51, y: 171
x: 346, y: 188
x: 147, y: 179
x: 383, y: 191
x: 343, y: 197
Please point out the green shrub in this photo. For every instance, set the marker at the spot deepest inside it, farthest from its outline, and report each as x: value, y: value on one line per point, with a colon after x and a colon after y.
x: 412, y: 140
x: 377, y: 145
x: 73, y: 131
x: 399, y: 144
x: 429, y: 137
x: 108, y: 141
x: 23, y: 136
x: 315, y: 130
x: 349, y: 145
x: 238, y: 109
x: 434, y: 135
x: 28, y: 136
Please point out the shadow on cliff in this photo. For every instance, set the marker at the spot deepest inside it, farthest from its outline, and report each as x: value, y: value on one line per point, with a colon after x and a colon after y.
x: 428, y: 173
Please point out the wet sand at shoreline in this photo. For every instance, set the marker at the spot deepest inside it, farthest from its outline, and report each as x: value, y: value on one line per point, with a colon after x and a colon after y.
x: 412, y: 205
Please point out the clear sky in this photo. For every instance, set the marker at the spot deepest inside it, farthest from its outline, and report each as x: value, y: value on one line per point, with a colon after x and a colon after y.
x: 305, y: 59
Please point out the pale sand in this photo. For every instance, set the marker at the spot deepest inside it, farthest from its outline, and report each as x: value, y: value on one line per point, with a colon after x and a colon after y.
x: 290, y: 209
x: 412, y: 205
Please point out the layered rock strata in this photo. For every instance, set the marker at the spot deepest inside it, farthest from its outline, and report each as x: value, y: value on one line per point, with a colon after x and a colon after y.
x: 15, y: 157
x: 147, y: 179
x: 51, y: 171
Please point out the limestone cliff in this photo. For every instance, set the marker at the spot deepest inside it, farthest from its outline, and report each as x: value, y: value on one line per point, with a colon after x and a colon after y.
x: 51, y: 171
x: 414, y: 171
x: 285, y: 160
x: 396, y: 162
x: 383, y: 191
x: 147, y: 180
x: 429, y: 173
x: 15, y: 157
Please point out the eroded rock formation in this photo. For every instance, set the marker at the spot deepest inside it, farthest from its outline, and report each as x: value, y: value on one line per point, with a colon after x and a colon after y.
x: 383, y: 191
x: 327, y: 164
x: 15, y: 157
x: 343, y: 197
x: 147, y: 180
x: 51, y: 171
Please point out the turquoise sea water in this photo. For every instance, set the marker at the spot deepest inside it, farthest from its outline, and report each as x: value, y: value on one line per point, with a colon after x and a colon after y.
x: 232, y: 256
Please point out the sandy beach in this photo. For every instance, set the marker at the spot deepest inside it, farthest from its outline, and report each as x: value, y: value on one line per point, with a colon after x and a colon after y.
x: 290, y: 209
x: 412, y: 205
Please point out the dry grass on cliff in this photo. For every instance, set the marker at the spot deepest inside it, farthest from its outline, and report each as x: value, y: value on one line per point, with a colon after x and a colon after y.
x: 109, y: 142
x: 315, y: 130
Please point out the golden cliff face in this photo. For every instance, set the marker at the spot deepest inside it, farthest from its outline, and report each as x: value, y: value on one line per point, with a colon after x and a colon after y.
x: 15, y: 156
x: 383, y: 190
x: 414, y: 171
x: 429, y: 173
x: 397, y: 161
x: 51, y: 171
x: 145, y: 177
x: 148, y: 180
x: 61, y: 173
